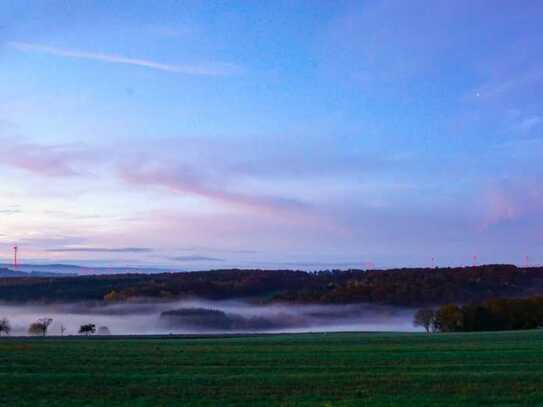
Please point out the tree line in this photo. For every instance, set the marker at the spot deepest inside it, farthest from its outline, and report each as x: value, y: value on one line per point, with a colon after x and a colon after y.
x: 497, y: 314
x: 41, y: 328
x: 412, y: 287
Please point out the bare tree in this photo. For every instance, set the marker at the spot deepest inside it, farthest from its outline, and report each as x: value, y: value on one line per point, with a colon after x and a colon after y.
x: 45, y: 323
x: 425, y: 317
x: 62, y: 329
x: 5, y: 327
x: 40, y: 326
x: 87, y: 329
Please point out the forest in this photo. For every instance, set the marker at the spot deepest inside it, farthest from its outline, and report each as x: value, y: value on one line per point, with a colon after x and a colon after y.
x: 412, y: 287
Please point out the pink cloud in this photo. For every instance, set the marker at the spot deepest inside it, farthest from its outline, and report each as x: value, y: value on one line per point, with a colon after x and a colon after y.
x: 500, y: 206
x: 52, y: 161
x: 511, y: 202
x: 184, y: 181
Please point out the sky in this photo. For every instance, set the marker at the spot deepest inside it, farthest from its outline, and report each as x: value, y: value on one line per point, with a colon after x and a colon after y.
x: 299, y: 134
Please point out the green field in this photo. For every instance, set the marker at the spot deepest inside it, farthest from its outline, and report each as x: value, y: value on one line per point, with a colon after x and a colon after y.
x: 349, y: 369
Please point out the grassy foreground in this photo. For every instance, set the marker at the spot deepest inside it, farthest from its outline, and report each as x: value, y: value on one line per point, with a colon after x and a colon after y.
x: 309, y: 370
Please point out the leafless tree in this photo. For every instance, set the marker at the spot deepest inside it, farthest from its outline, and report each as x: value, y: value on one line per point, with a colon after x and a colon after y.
x: 5, y: 327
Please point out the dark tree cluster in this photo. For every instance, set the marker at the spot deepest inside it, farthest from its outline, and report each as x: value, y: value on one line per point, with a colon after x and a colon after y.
x: 217, y: 320
x: 87, y: 329
x: 490, y: 315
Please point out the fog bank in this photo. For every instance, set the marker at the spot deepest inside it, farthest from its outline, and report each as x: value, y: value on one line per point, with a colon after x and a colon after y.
x: 145, y: 318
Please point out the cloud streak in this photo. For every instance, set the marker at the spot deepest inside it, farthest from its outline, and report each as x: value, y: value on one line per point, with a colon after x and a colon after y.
x: 61, y: 161
x: 100, y: 250
x: 210, y: 69
x: 183, y: 180
x: 194, y: 258
x: 47, y: 160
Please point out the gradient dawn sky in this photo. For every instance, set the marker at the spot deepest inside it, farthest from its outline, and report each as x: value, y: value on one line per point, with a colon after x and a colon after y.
x: 308, y: 134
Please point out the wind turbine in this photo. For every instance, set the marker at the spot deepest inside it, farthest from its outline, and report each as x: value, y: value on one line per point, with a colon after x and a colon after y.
x: 15, y: 250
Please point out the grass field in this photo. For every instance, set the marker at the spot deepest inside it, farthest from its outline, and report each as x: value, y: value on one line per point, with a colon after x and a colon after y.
x: 349, y: 369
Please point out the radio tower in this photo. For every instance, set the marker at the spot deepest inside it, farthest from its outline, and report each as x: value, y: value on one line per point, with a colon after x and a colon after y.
x: 474, y: 261
x: 15, y: 249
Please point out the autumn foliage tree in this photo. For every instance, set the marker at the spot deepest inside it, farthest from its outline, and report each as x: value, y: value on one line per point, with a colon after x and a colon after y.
x: 449, y: 318
x: 40, y: 326
x: 490, y: 315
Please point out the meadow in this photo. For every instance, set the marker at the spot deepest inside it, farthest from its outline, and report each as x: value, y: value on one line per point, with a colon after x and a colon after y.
x: 338, y: 369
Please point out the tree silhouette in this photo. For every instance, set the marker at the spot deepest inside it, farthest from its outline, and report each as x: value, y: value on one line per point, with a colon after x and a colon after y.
x: 5, y: 327
x: 87, y: 329
x: 424, y: 317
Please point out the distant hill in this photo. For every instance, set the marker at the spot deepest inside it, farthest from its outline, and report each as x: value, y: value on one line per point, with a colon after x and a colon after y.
x: 12, y: 273
x: 8, y: 273
x: 72, y: 269
x: 405, y: 287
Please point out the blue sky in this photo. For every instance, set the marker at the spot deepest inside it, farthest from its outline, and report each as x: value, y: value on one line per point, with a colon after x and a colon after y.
x: 296, y: 133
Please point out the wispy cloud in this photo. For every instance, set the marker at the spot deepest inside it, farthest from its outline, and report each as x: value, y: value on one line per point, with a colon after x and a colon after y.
x: 208, y: 69
x: 183, y: 180
x: 506, y: 86
x: 194, y: 258
x: 175, y: 31
x: 528, y: 123
x: 100, y: 250
x: 210, y: 249
x: 514, y: 201
x: 9, y: 211
x: 48, y: 160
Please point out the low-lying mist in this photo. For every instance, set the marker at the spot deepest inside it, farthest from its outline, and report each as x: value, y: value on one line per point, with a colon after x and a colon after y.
x: 199, y: 316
